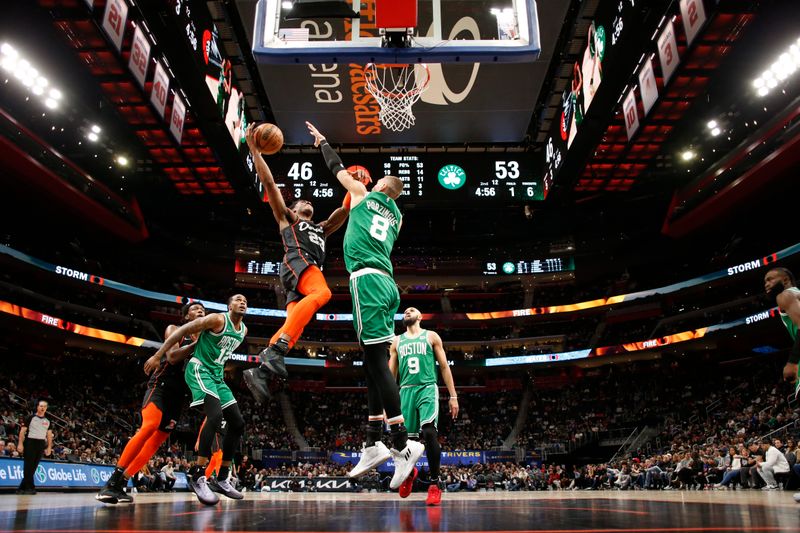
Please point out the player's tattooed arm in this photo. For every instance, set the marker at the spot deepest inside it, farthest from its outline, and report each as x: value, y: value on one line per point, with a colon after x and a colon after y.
x: 213, y: 322
x: 283, y: 215
x: 175, y: 355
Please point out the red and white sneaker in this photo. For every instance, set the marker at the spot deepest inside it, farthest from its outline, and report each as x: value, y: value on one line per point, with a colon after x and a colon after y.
x: 408, y: 484
x: 404, y: 462
x: 434, y: 495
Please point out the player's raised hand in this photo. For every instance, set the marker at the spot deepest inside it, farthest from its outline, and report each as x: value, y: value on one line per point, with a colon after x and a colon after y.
x: 151, y: 364
x: 249, y: 135
x: 318, y: 137
x: 453, y: 403
x: 359, y: 174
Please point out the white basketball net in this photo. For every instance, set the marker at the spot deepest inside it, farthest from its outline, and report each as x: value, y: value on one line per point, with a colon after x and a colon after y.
x: 396, y: 89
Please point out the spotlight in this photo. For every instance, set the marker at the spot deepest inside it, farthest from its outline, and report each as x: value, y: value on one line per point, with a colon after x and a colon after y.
x: 92, y: 136
x: 786, y: 65
x: 712, y: 124
x: 715, y: 131
x: 688, y: 155
x: 28, y: 75
x: 96, y: 128
x: 9, y: 63
x: 8, y: 50
x: 122, y: 161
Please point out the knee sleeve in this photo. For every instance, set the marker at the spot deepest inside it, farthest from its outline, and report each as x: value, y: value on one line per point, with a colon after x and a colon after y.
x: 213, y: 411
x: 313, y: 286
x: 429, y: 435
x: 377, y: 364
x: 374, y: 402
x: 234, y: 429
x: 434, y: 452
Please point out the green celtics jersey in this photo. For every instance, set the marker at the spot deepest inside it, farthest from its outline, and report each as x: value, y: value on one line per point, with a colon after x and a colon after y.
x: 791, y: 326
x: 415, y: 360
x: 213, y: 349
x: 371, y: 231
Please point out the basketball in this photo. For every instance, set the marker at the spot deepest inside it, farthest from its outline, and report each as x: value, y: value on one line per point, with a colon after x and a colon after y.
x: 269, y: 138
x: 365, y: 176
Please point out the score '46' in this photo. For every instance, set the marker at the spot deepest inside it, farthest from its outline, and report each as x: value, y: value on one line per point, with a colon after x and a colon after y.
x: 301, y: 171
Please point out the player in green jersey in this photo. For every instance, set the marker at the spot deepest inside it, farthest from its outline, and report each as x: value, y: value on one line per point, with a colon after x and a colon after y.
x: 219, y: 334
x: 780, y: 284
x: 414, y: 355
x: 372, y: 230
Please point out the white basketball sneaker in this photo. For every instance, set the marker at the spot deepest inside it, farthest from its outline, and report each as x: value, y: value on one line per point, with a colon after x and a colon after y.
x: 203, y: 492
x: 371, y: 456
x: 404, y: 462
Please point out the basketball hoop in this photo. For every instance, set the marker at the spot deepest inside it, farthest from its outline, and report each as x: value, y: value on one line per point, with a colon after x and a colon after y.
x: 396, y: 87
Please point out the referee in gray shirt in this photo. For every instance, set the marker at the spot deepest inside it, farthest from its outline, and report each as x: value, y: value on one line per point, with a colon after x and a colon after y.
x: 34, y: 439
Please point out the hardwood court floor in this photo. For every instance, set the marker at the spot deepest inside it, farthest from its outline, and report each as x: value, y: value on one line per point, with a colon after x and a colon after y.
x: 544, y: 512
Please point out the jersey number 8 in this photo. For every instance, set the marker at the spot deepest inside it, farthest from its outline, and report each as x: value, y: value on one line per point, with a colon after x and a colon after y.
x: 379, y: 228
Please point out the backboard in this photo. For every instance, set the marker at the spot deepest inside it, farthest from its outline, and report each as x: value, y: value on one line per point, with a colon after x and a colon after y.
x: 480, y: 58
x: 447, y: 31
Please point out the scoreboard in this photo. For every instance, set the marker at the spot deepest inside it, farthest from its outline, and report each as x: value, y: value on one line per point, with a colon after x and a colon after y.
x: 519, y: 267
x: 428, y: 178
x: 257, y: 267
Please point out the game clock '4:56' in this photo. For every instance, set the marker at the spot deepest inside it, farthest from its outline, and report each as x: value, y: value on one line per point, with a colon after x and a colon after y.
x: 508, y: 179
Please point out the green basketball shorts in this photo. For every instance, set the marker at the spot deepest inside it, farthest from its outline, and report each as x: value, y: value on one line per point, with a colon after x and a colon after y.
x: 419, y: 405
x: 202, y: 382
x: 375, y: 302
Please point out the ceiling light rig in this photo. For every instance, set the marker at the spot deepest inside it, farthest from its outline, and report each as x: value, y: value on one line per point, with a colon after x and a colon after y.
x: 713, y: 128
x: 784, y: 67
x: 28, y: 75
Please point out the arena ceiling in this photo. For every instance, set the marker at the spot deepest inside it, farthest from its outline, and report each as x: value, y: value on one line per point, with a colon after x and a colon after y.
x: 206, y: 173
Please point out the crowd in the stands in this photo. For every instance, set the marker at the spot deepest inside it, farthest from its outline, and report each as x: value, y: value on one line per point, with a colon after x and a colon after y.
x: 703, y: 432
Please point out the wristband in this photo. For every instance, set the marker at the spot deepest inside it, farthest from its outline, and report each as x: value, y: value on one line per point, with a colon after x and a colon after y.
x: 331, y: 158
